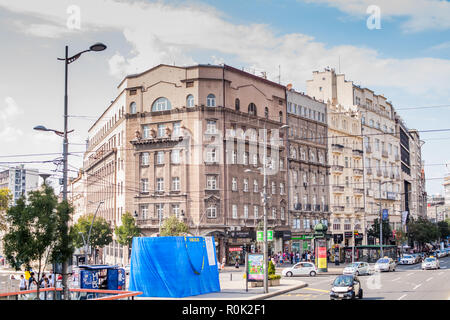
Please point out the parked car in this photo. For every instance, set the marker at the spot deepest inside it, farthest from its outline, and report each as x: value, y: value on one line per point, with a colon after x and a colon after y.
x: 385, y: 264
x: 440, y: 254
x: 430, y: 263
x: 408, y: 259
x: 300, y: 269
x: 346, y: 287
x: 357, y: 268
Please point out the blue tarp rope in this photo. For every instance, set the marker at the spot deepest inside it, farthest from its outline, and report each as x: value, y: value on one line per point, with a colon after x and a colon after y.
x: 189, y: 257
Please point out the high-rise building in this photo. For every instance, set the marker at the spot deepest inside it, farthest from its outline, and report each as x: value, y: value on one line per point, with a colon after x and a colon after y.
x: 381, y: 152
x: 19, y: 180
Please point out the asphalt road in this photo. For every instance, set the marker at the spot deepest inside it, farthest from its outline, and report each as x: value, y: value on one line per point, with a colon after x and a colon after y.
x: 408, y: 282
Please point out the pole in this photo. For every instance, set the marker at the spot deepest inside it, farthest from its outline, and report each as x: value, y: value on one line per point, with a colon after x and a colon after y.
x: 90, y: 229
x: 266, y: 279
x: 381, y: 222
x: 65, y: 152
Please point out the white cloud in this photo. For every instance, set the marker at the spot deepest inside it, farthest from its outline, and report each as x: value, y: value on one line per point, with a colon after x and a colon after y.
x: 160, y: 33
x: 421, y: 14
x: 9, y: 111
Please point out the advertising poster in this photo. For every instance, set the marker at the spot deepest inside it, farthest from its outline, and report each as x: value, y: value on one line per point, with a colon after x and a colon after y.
x: 255, y: 267
x: 322, y: 254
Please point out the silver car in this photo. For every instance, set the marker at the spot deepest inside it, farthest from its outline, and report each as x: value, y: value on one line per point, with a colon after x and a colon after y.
x: 385, y: 264
x: 357, y: 268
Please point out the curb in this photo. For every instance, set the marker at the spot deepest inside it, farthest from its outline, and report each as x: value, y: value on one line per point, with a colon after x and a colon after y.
x: 279, y: 292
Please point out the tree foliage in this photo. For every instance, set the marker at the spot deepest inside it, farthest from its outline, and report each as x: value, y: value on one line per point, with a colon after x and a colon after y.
x: 101, y: 233
x: 127, y: 230
x: 375, y: 230
x: 443, y: 227
x: 35, y: 230
x: 5, y: 198
x: 422, y: 230
x: 173, y: 227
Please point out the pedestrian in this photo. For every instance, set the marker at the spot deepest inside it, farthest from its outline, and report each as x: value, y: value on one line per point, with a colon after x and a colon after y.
x: 23, y: 283
x: 236, y: 265
x: 223, y: 263
x: 31, y: 279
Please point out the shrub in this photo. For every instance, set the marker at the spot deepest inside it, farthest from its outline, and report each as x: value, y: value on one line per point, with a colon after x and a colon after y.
x: 274, y: 276
x: 271, y: 268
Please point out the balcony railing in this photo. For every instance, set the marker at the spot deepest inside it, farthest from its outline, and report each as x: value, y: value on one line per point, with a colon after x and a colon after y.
x: 338, y: 189
x: 358, y: 190
x: 358, y: 172
x: 337, y: 147
x: 337, y: 168
x: 359, y: 209
x: 338, y: 208
x: 357, y: 153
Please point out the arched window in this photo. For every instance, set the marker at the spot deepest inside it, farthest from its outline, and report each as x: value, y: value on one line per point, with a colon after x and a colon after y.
x: 237, y: 104
x: 266, y: 112
x: 211, y: 100
x: 252, y: 109
x: 161, y: 104
x: 190, y: 101
x: 133, y: 108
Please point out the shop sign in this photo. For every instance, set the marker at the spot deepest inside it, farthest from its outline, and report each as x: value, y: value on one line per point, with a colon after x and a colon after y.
x: 235, y: 249
x: 240, y: 234
x: 303, y: 237
x: 260, y: 235
x: 349, y: 234
x: 285, y: 234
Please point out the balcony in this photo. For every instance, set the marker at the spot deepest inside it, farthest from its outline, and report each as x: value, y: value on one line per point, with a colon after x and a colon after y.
x: 307, y: 207
x: 338, y: 148
x: 357, y: 153
x: 148, y: 222
x: 369, y: 171
x: 358, y: 191
x: 338, y: 189
x: 384, y: 154
x: 359, y: 209
x: 338, y: 208
x: 337, y: 168
x: 297, y: 206
x: 358, y: 172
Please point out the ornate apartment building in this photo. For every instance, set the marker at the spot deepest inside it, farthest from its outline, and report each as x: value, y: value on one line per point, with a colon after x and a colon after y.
x: 308, y: 169
x: 381, y: 153
x: 188, y: 141
x: 347, y: 172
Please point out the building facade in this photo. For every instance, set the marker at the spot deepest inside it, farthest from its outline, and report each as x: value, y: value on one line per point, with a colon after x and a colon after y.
x: 308, y: 169
x: 19, y: 180
x: 381, y: 152
x: 188, y: 141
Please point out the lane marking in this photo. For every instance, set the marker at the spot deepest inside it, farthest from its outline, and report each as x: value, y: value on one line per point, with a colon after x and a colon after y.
x: 313, y: 289
x: 409, y: 274
x: 402, y: 297
x: 440, y: 273
x: 429, y: 279
x: 396, y: 279
x: 417, y: 286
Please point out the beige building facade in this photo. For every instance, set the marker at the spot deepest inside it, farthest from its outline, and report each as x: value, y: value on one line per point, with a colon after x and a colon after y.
x: 188, y: 141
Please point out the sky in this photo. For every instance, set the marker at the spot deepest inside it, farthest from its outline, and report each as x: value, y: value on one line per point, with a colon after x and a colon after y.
x: 400, y: 49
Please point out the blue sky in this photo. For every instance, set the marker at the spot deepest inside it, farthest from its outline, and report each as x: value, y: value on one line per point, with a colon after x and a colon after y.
x: 407, y: 60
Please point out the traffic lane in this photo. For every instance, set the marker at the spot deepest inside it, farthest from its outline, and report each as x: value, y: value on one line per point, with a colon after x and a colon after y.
x: 318, y: 289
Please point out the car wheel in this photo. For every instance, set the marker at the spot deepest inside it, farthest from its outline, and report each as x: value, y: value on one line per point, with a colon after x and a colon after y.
x: 312, y: 274
x: 289, y: 274
x: 360, y: 294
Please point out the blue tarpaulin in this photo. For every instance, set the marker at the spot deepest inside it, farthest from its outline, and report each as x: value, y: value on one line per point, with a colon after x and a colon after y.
x: 173, y: 266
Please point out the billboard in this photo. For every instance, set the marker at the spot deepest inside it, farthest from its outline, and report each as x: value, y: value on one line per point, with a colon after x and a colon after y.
x: 255, y: 267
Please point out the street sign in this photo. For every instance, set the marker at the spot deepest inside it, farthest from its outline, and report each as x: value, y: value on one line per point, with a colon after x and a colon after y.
x: 260, y: 236
x: 385, y: 214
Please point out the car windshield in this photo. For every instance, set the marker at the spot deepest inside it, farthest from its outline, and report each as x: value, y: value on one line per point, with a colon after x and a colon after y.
x: 353, y: 265
x: 383, y: 261
x: 343, y: 281
x: 430, y: 259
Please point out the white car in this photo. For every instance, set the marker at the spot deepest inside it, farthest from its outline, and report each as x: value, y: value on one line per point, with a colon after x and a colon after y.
x: 440, y: 254
x: 408, y: 259
x: 430, y: 263
x: 357, y: 268
x: 385, y: 264
x: 300, y: 269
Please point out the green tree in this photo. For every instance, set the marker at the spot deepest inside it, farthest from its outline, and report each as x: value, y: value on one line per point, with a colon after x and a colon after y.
x: 443, y: 227
x: 5, y: 198
x: 375, y: 230
x: 101, y: 233
x: 173, y: 227
x: 127, y: 231
x: 422, y: 230
x: 31, y: 235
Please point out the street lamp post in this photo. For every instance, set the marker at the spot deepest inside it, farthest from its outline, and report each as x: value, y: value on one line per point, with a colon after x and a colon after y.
x: 381, y: 217
x: 68, y: 60
x: 90, y: 229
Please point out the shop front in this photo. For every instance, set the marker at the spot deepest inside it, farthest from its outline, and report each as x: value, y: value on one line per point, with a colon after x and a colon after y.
x: 302, y: 243
x: 348, y: 238
x: 239, y: 242
x: 283, y: 238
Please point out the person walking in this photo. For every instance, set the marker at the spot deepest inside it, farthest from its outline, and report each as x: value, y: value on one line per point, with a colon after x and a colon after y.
x: 23, y: 283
